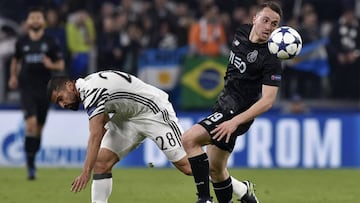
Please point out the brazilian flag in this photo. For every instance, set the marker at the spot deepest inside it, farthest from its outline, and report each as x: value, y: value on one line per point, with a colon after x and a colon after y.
x: 201, y: 82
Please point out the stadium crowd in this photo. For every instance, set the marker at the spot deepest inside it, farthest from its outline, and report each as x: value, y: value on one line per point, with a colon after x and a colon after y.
x: 103, y: 34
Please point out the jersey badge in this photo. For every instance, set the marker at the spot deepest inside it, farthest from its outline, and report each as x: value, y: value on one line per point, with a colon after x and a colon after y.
x: 236, y: 42
x: 44, y: 47
x: 26, y: 48
x: 252, y: 56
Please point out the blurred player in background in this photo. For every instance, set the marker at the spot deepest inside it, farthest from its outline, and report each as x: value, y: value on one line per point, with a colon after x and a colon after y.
x: 36, y: 55
x: 123, y: 111
x: 251, y: 84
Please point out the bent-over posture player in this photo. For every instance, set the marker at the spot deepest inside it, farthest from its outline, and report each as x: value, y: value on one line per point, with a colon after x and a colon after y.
x: 123, y: 111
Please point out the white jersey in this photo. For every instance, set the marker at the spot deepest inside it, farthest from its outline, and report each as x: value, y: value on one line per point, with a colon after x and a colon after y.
x: 138, y: 111
x: 119, y: 92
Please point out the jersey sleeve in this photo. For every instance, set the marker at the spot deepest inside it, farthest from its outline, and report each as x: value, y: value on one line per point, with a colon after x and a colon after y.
x: 18, y: 52
x: 272, y: 71
x: 94, y: 102
x: 54, y: 52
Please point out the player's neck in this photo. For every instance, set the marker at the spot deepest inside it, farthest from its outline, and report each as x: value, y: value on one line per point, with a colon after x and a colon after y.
x: 36, y: 35
x: 254, y: 38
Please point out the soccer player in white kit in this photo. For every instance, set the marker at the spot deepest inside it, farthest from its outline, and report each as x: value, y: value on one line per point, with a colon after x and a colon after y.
x: 123, y: 111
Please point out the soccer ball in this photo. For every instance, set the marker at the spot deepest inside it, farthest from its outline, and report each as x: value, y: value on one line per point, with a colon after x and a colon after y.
x: 285, y: 42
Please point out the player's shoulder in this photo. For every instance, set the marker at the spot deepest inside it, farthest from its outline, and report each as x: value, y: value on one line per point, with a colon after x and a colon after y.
x: 244, y: 30
x: 49, y: 38
x: 23, y: 39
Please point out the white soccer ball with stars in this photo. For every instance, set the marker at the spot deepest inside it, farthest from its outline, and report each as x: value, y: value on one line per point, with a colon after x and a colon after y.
x: 285, y: 42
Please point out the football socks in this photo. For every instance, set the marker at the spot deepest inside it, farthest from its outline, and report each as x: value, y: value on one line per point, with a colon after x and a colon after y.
x: 223, y: 191
x: 239, y: 188
x: 32, y: 146
x: 101, y: 188
x: 200, y: 170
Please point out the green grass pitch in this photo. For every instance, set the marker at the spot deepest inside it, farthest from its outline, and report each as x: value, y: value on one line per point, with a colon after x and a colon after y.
x: 153, y: 185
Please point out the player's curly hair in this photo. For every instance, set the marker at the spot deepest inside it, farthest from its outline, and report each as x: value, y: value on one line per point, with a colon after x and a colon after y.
x: 56, y: 83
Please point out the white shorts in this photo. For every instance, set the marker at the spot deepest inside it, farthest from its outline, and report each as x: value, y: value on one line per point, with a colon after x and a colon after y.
x: 163, y: 128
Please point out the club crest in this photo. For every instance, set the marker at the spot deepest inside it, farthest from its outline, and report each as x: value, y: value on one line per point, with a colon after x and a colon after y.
x: 252, y: 56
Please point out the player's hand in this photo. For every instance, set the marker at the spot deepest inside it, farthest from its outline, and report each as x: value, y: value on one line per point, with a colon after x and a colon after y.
x: 80, y: 182
x: 225, y: 129
x: 47, y: 62
x: 13, y: 82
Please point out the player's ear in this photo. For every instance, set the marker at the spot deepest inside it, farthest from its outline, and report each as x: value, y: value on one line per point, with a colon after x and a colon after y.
x: 254, y: 18
x: 69, y: 85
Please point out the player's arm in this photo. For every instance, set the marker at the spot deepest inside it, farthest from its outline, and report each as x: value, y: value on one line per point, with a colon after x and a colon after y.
x: 97, y: 132
x: 13, y: 80
x: 54, y: 60
x: 262, y: 105
x: 14, y: 65
x: 56, y: 65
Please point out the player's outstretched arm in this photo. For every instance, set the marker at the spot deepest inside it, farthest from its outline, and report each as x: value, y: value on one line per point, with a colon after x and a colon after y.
x: 97, y: 132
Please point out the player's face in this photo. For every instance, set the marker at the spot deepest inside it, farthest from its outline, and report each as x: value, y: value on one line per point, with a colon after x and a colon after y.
x: 67, y: 97
x: 265, y: 22
x: 36, y: 20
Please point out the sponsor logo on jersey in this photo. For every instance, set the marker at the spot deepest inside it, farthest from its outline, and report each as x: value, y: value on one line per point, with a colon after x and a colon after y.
x: 276, y: 77
x: 33, y: 58
x: 237, y: 62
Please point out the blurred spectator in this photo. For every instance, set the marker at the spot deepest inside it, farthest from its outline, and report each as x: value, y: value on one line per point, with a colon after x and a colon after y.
x: 184, y: 19
x: 344, y: 52
x: 159, y: 13
x: 225, y: 21
x: 80, y: 34
x: 166, y: 39
x: 239, y: 17
x: 121, y: 24
x: 162, y: 23
x: 108, y: 45
x: 296, y: 105
x: 107, y: 11
x: 131, y: 40
x: 149, y: 36
x: 56, y: 28
x: 8, y: 36
x: 312, y: 87
x: 207, y: 36
x: 130, y: 9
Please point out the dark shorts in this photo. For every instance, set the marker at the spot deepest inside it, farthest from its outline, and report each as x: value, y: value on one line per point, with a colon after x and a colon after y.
x: 35, y: 104
x: 217, y: 117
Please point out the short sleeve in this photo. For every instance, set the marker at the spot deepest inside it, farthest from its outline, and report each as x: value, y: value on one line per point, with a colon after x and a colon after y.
x: 18, y: 52
x: 55, y: 52
x: 272, y: 71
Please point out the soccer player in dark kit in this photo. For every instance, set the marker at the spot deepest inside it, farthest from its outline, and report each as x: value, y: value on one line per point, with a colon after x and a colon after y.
x: 252, y: 80
x: 38, y: 55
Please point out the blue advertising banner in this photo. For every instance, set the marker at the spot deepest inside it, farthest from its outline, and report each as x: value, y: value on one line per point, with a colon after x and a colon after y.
x: 318, y: 140
x: 281, y: 141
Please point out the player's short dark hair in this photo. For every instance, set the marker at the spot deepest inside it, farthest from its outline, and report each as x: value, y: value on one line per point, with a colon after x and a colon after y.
x: 56, y: 83
x: 273, y: 5
x: 36, y: 9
